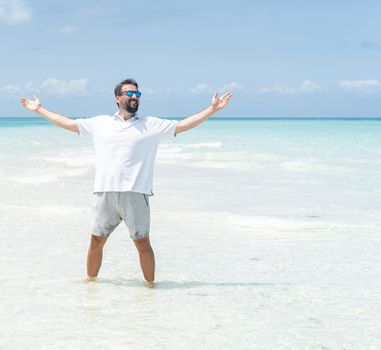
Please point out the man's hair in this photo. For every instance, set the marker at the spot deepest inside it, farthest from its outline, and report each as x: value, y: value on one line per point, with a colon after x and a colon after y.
x: 118, y: 88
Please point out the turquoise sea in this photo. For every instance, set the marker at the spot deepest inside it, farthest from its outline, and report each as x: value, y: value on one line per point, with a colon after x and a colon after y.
x: 266, y: 234
x: 287, y: 168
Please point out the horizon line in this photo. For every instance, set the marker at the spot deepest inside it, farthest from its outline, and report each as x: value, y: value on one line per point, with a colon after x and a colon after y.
x: 221, y: 117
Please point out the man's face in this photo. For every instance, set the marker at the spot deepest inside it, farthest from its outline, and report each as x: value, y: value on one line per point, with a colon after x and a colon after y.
x: 129, y: 104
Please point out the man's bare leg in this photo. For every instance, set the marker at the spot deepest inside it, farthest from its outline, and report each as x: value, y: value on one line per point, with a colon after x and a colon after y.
x: 147, y: 259
x: 94, y: 256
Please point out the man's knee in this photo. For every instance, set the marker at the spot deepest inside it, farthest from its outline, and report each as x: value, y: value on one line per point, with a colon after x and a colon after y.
x: 143, y: 245
x: 97, y: 242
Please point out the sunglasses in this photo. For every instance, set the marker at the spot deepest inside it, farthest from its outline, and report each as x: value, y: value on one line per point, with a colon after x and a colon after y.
x: 129, y: 93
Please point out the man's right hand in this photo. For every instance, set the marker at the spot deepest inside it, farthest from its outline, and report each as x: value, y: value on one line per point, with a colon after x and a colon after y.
x: 55, y: 118
x: 31, y: 105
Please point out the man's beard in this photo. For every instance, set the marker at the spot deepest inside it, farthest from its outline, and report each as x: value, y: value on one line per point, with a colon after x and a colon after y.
x: 132, y: 108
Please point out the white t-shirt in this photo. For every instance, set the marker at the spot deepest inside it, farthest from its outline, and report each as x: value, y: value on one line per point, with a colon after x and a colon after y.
x: 125, y: 150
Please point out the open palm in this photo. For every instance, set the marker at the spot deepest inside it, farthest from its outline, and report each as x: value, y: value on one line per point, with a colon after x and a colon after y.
x: 31, y: 105
x: 220, y: 102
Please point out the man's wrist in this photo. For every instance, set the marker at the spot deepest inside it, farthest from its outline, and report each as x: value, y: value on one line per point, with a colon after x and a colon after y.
x: 213, y: 109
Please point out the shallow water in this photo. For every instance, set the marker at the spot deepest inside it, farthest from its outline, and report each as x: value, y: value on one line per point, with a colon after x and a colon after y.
x: 266, y: 235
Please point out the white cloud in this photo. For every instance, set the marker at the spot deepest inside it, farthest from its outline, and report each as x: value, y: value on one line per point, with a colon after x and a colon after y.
x: 360, y: 85
x: 14, y: 11
x: 69, y: 29
x: 204, y: 88
x: 32, y: 87
x: 50, y: 86
x: 232, y: 86
x: 306, y: 87
x: 54, y: 86
x: 10, y: 90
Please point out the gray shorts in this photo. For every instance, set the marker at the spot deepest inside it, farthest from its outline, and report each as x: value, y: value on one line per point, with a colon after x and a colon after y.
x: 110, y: 208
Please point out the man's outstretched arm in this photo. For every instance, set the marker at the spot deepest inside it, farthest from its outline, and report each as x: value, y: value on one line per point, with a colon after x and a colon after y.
x: 56, y: 119
x: 191, y: 122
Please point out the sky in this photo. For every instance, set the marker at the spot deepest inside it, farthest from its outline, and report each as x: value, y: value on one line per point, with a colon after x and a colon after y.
x: 278, y: 58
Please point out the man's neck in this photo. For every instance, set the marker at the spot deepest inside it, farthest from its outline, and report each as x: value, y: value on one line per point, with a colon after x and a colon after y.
x: 125, y: 115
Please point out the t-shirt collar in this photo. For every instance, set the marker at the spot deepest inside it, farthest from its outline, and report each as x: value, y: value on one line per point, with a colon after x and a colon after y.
x: 117, y: 116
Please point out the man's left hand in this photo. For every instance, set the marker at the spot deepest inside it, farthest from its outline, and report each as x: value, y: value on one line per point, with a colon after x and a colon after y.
x: 220, y: 102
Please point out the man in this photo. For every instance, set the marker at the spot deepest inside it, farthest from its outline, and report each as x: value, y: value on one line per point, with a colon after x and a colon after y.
x: 125, y: 151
